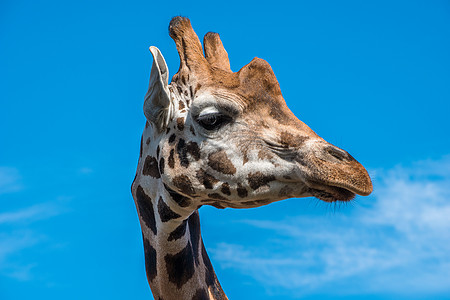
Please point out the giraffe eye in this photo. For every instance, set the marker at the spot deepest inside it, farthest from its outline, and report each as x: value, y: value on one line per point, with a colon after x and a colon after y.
x: 213, y: 121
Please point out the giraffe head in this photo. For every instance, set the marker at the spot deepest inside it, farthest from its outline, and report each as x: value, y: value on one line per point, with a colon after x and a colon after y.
x: 228, y: 139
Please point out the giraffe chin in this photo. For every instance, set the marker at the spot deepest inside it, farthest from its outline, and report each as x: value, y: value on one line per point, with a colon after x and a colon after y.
x: 332, y: 194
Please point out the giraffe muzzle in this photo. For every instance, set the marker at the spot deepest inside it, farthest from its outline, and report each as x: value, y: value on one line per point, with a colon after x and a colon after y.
x: 332, y: 174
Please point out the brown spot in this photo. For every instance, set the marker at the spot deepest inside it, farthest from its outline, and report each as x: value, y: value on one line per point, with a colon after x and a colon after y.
x: 161, y: 165
x: 180, y: 266
x: 181, y: 105
x: 183, y: 183
x: 263, y: 154
x: 226, y: 189
x: 157, y: 151
x: 206, y: 179
x: 171, y: 161
x: 178, y: 198
x: 183, y: 111
x: 140, y: 150
x: 219, y: 161
x: 167, y: 130
x: 180, y: 91
x: 197, y: 88
x: 147, y: 141
x: 180, y: 124
x: 242, y: 191
x: 150, y: 260
x: 191, y: 91
x: 288, y: 140
x: 245, y: 159
x: 165, y: 213
x: 184, y: 149
x: 278, y: 113
x: 216, y: 196
x: 172, y: 138
x: 145, y: 208
x: 151, y: 167
x: 258, y: 179
x: 193, y: 150
x: 178, y: 232
x: 183, y: 79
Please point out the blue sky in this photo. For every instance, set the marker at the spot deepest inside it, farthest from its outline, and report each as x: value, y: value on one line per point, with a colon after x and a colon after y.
x: 372, y: 78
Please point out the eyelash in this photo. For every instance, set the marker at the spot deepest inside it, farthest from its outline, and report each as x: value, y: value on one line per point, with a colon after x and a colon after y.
x: 213, y: 121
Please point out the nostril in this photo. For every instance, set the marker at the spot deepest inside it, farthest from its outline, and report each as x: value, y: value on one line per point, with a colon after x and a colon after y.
x: 338, y: 153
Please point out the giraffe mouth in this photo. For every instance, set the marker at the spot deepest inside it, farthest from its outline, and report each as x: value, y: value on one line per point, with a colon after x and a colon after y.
x: 330, y: 193
x: 333, y: 194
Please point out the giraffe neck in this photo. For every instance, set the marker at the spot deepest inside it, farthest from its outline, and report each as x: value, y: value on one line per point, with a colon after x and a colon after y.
x: 176, y: 261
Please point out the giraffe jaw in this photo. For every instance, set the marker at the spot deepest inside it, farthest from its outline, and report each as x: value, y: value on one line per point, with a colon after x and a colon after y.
x: 334, y: 191
x: 332, y: 194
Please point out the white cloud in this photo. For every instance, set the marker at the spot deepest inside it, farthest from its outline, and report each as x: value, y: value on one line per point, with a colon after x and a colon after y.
x: 9, y: 180
x: 30, y: 214
x: 22, y: 273
x: 16, y: 241
x: 399, y: 244
x: 13, y: 243
x: 17, y: 236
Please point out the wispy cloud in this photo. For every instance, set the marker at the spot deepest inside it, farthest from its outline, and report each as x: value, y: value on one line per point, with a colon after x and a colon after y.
x: 13, y: 243
x: 17, y: 236
x: 399, y: 244
x: 9, y: 180
x: 30, y: 214
x: 16, y: 241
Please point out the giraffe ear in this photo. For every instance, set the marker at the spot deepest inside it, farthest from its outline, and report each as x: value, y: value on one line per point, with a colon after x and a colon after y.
x: 157, y: 104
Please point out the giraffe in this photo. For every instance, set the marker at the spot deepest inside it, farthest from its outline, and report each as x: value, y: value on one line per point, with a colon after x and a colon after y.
x: 226, y: 139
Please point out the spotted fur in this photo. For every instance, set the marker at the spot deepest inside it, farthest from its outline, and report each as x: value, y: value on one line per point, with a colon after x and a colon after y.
x: 180, y: 266
x: 258, y: 179
x: 151, y: 167
x: 178, y: 198
x: 206, y: 179
x: 179, y: 232
x: 225, y: 139
x: 183, y: 184
x: 221, y: 163
x: 200, y: 294
x: 145, y: 208
x: 226, y: 189
x: 164, y: 211
x: 150, y: 260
